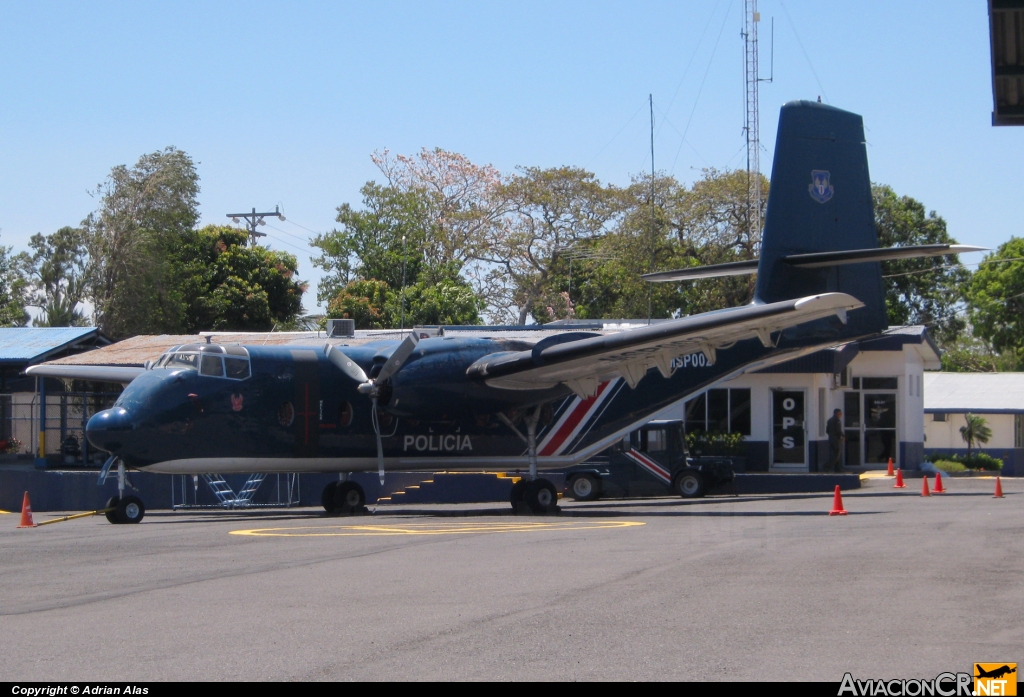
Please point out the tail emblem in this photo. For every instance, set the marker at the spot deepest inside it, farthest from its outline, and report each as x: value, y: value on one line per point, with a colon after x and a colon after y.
x: 820, y: 188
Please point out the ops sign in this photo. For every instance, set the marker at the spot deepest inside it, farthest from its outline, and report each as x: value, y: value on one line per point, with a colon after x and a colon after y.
x: 788, y: 427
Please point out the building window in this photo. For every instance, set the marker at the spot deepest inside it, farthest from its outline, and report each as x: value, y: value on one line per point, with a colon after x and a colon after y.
x: 724, y: 411
x: 939, y: 416
x: 1018, y: 430
x: 879, y: 383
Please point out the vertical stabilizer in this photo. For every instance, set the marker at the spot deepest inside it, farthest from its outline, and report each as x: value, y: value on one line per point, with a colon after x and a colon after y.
x: 820, y: 201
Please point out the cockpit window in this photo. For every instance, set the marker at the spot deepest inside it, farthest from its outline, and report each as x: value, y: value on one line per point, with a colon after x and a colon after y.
x: 237, y: 368
x: 183, y: 360
x: 211, y: 366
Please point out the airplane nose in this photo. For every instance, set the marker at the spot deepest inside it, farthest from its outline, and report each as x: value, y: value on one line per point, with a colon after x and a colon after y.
x: 107, y: 429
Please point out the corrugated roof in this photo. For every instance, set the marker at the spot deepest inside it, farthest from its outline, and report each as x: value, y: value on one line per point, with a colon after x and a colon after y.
x: 974, y: 392
x: 32, y: 344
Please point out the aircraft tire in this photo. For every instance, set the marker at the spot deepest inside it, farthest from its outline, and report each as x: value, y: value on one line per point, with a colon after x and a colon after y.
x: 327, y: 498
x: 112, y: 515
x: 349, y: 497
x: 516, y: 496
x: 541, y: 497
x: 585, y: 487
x: 130, y: 509
x: 689, y: 485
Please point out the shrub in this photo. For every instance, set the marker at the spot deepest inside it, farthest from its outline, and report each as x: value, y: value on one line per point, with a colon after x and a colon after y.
x: 974, y: 461
x: 714, y: 443
x: 949, y: 466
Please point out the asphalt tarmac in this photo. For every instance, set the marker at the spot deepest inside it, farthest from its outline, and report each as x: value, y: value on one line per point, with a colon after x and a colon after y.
x: 762, y: 588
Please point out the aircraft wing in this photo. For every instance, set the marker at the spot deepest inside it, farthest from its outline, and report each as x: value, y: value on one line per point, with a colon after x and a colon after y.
x: 583, y: 363
x: 99, y: 373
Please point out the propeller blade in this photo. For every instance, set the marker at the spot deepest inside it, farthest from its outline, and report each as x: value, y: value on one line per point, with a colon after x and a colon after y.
x: 380, y: 444
x: 397, y: 359
x: 345, y: 364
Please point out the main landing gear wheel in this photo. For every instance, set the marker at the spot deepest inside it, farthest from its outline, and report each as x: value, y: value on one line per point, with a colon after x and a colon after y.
x: 327, y: 498
x: 689, y: 485
x: 516, y: 497
x: 130, y: 509
x: 540, y: 496
x: 343, y: 498
x: 585, y: 487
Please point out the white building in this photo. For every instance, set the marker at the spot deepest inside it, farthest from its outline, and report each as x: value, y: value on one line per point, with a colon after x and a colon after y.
x: 782, y: 411
x: 998, y: 397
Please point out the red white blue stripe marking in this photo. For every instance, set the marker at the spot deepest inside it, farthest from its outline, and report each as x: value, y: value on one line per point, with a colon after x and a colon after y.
x: 649, y: 465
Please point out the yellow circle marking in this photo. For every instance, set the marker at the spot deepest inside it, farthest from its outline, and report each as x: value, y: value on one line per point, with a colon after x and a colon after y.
x: 433, y: 529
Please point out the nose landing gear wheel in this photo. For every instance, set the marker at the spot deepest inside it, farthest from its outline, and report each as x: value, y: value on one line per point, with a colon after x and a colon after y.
x: 541, y: 497
x: 111, y: 515
x: 130, y: 509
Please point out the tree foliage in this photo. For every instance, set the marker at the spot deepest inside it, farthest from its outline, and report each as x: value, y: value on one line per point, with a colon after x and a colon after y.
x: 225, y: 286
x: 975, y: 431
x: 13, y: 290
x: 145, y: 213
x: 57, y: 271
x: 995, y: 298
x: 919, y: 291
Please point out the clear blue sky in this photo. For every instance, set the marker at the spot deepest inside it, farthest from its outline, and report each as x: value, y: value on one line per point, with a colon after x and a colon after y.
x: 282, y: 103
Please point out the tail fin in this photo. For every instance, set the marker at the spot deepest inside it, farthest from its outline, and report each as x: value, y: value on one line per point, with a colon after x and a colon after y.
x: 820, y: 201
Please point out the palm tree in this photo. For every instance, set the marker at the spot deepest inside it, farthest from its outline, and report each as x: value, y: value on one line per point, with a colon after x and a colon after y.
x: 975, y: 431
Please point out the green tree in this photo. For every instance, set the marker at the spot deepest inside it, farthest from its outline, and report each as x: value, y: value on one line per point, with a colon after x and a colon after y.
x: 146, y: 212
x: 995, y: 299
x: 974, y: 431
x: 919, y: 291
x: 58, y: 271
x: 224, y: 285
x: 13, y: 290
x: 552, y: 213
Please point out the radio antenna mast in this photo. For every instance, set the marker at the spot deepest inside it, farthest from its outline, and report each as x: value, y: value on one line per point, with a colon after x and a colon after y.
x: 751, y: 18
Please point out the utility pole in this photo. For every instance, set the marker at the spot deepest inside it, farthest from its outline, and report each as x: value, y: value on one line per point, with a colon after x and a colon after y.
x: 253, y: 220
x: 751, y: 18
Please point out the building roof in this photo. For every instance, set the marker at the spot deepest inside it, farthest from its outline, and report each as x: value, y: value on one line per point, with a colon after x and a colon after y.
x: 835, y: 359
x: 1005, y: 18
x: 978, y: 393
x: 26, y: 345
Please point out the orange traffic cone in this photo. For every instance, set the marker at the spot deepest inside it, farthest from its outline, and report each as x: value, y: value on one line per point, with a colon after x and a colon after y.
x: 999, y: 489
x: 938, y: 484
x: 26, y: 514
x: 837, y: 504
x: 899, y: 480
x: 889, y: 472
x: 924, y: 486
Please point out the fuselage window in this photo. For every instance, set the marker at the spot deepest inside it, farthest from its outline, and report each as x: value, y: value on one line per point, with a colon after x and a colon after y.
x: 212, y: 367
x: 237, y: 368
x: 345, y: 418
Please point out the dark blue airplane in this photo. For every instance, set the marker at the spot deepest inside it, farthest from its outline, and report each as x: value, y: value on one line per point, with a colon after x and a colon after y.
x: 434, y: 401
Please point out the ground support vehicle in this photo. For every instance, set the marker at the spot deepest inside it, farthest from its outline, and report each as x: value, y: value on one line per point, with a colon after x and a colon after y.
x: 650, y: 461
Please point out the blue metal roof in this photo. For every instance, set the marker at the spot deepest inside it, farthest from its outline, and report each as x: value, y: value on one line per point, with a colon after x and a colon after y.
x: 33, y: 344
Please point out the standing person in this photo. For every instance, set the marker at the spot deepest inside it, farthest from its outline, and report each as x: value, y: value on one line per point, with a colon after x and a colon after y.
x: 836, y: 438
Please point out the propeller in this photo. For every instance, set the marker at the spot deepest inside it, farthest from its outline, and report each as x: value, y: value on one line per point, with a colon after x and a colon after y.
x: 371, y: 386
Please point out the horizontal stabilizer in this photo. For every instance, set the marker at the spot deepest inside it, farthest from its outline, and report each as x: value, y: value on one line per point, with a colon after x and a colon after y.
x: 814, y: 260
x: 733, y: 268
x: 587, y: 362
x: 97, y: 373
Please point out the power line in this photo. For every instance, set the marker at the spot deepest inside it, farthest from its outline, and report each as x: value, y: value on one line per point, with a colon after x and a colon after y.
x: 696, y: 100
x: 804, y: 51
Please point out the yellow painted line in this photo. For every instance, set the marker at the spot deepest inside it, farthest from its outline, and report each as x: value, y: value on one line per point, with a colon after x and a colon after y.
x: 874, y: 475
x: 433, y: 528
x: 4, y: 512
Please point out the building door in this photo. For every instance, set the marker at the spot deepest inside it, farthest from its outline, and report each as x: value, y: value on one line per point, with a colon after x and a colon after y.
x: 879, y: 417
x: 789, y: 433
